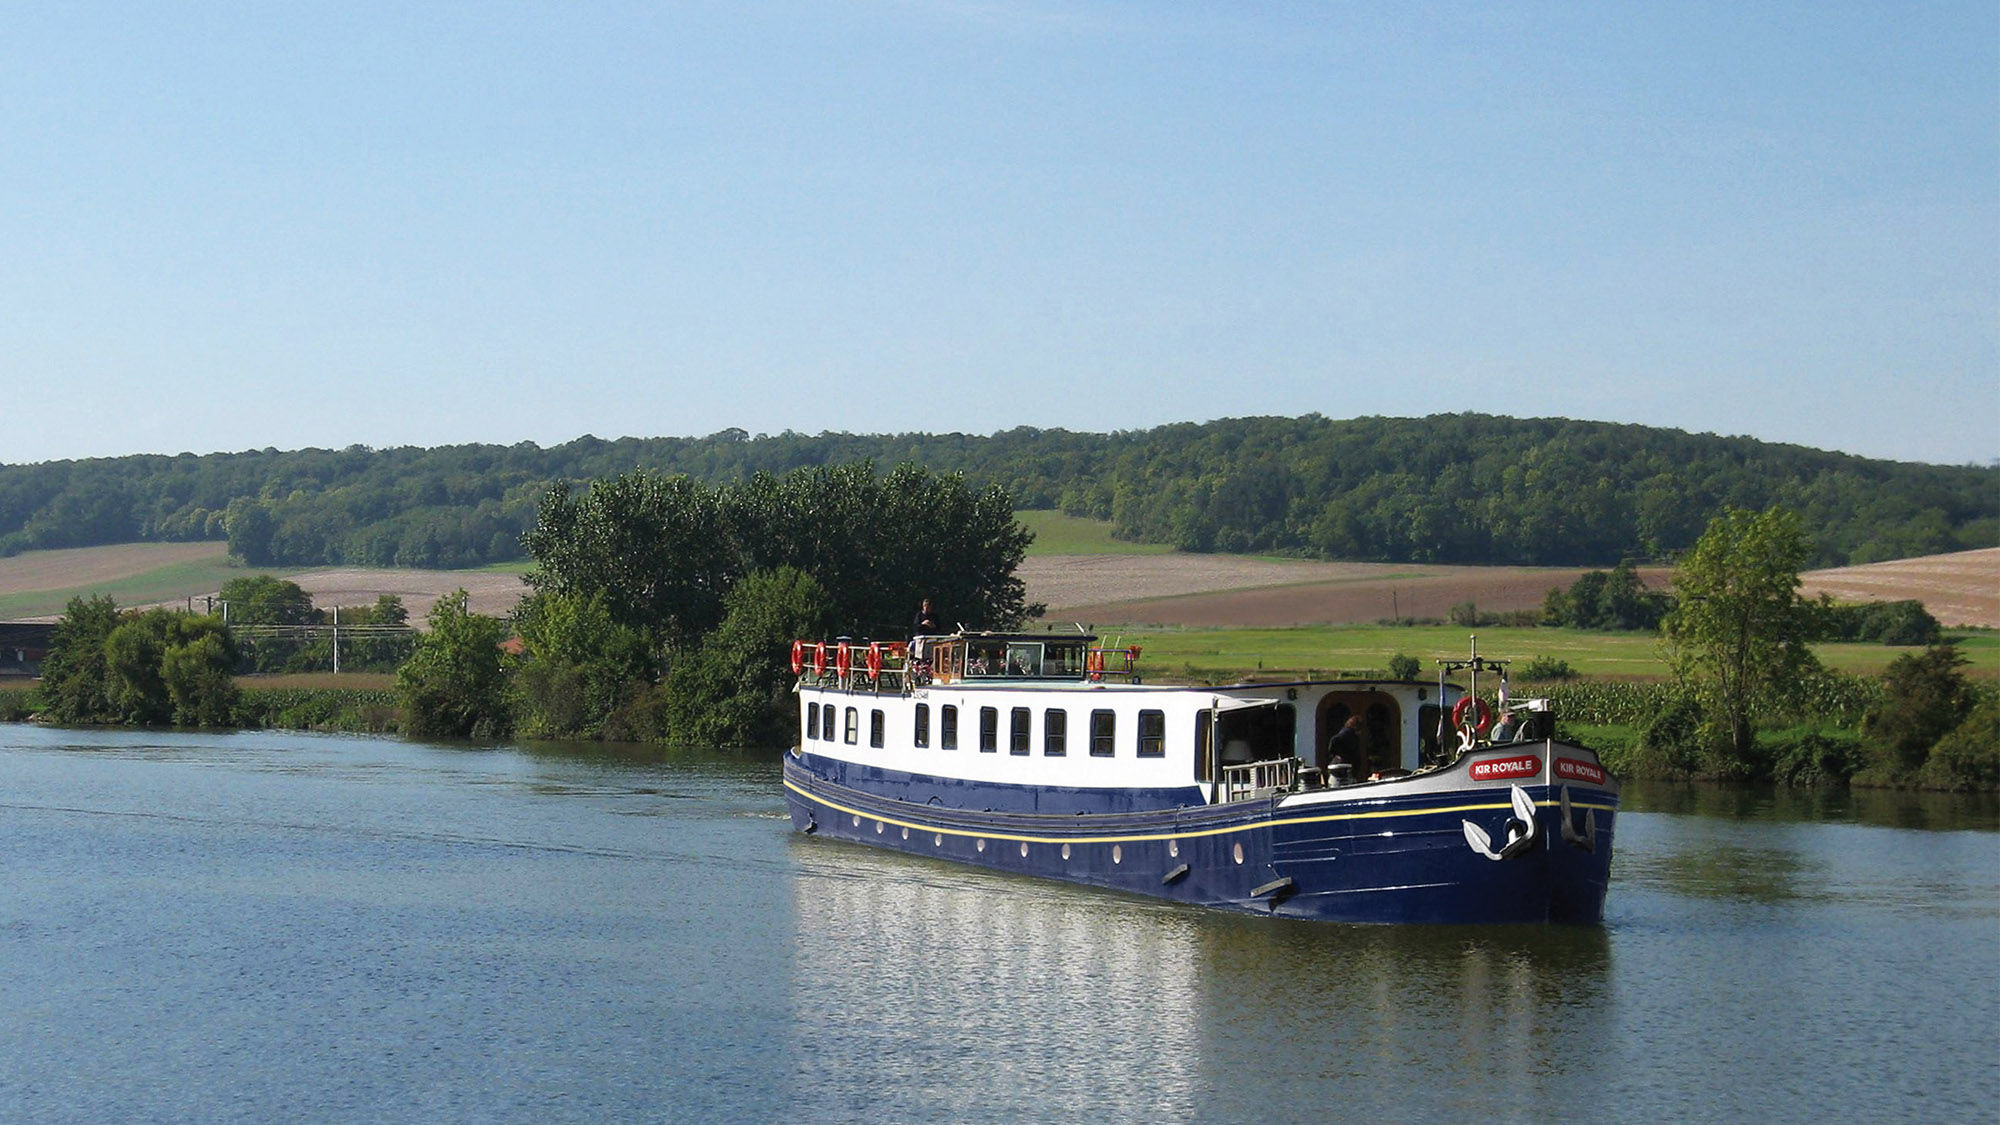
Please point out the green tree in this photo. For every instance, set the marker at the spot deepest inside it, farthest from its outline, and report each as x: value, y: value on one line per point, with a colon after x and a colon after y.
x: 133, y: 654
x: 453, y: 684
x: 261, y: 599
x: 656, y: 550
x: 74, y: 678
x: 579, y: 665
x: 1738, y: 632
x: 197, y: 667
x: 1968, y: 757
x: 1925, y: 696
x: 733, y: 691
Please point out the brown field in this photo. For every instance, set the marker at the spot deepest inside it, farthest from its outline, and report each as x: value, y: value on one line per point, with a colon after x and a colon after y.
x: 1200, y: 591
x: 1962, y: 588
x: 1213, y: 591
x: 34, y: 585
x: 487, y: 592
x: 92, y: 566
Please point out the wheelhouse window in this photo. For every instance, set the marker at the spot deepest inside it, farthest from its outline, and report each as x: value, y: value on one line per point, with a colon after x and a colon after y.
x: 852, y: 733
x: 948, y: 727
x: 812, y: 720
x: 989, y: 729
x: 1103, y: 733
x: 1018, y: 730
x: 1055, y: 732
x: 922, y: 734
x: 875, y: 728
x: 985, y: 659
x: 1152, y: 734
x: 1064, y: 661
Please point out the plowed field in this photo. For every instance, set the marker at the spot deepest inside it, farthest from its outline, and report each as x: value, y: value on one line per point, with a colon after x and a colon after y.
x: 1209, y: 591
x: 1962, y: 588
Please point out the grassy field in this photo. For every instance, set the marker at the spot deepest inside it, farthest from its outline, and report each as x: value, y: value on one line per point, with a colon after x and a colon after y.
x: 159, y: 584
x: 1058, y: 534
x: 1220, y: 655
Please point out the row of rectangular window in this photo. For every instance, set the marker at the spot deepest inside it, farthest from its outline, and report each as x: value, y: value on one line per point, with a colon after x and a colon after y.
x: 820, y: 720
x: 1152, y: 741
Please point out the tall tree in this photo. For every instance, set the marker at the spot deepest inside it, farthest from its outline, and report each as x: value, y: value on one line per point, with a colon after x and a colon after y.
x: 75, y: 683
x: 1739, y: 631
x: 453, y: 684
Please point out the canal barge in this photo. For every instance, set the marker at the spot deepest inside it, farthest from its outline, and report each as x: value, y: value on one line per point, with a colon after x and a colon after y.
x: 1347, y: 799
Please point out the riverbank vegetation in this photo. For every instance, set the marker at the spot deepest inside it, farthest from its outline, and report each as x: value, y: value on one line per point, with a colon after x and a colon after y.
x: 662, y: 608
x: 1450, y: 488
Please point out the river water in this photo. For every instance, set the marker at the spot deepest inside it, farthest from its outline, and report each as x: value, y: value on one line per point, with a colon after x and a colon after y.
x: 270, y: 926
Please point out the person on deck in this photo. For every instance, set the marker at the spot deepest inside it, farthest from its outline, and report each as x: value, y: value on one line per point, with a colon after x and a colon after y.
x: 1343, y: 749
x: 921, y: 626
x: 1504, y: 730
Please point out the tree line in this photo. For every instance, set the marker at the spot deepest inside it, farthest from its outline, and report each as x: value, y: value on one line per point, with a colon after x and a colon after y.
x: 1450, y: 488
x: 662, y: 608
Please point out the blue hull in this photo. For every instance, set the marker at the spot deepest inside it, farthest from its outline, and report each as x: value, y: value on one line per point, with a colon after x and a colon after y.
x: 1379, y: 857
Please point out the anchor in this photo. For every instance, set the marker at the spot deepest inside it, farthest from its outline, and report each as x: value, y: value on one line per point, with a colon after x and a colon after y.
x: 1585, y: 839
x: 1520, y: 829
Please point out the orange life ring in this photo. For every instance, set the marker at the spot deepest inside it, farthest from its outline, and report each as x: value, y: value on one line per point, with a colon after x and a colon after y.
x: 798, y: 657
x: 819, y: 659
x: 1478, y: 707
x: 844, y: 659
x: 875, y: 658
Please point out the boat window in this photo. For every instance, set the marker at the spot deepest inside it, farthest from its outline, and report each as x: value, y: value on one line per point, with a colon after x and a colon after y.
x: 1152, y: 734
x: 1024, y: 658
x: 853, y: 730
x: 922, y: 736
x: 985, y: 658
x: 812, y: 720
x: 1017, y: 731
x: 1063, y: 660
x: 1103, y: 733
x: 1055, y: 732
x: 989, y: 729
x: 827, y: 716
x: 947, y: 727
x: 875, y: 727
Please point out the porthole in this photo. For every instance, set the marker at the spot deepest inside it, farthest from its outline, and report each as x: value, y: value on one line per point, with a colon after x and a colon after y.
x: 857, y: 822
x: 879, y: 826
x: 938, y: 840
x: 1065, y: 851
x: 906, y: 833
x: 1239, y: 853
x: 1117, y: 853
x: 1024, y: 849
x: 981, y: 845
x: 1174, y: 848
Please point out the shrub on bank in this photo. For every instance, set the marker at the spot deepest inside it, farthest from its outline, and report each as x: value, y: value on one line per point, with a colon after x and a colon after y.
x: 350, y: 710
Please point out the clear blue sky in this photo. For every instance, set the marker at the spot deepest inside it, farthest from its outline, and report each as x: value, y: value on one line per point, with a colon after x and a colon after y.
x: 226, y: 226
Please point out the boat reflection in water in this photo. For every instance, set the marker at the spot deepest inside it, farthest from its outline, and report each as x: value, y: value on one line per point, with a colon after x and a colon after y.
x: 927, y: 990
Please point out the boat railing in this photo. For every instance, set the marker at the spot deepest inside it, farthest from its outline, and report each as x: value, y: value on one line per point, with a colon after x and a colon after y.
x: 879, y: 667
x: 1112, y: 663
x: 1259, y: 779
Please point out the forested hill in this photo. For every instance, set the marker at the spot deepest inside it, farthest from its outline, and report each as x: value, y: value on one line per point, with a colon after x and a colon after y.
x: 1462, y: 488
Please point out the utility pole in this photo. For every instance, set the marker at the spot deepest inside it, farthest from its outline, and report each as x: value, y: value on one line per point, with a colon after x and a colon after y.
x: 336, y: 640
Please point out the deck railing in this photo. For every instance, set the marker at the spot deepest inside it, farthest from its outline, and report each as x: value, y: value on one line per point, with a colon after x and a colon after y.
x: 1258, y: 779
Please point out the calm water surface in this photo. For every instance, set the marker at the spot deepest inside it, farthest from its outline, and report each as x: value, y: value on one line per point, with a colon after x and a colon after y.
x: 269, y: 926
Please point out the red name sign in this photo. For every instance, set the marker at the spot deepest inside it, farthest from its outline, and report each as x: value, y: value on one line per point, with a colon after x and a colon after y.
x: 1509, y: 768
x: 1579, y: 771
